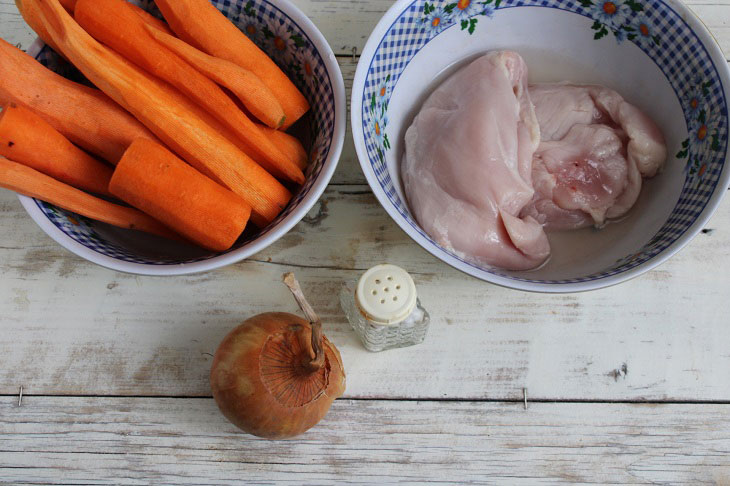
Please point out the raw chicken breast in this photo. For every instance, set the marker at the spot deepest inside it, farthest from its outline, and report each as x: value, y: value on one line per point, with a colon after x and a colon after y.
x: 467, y: 169
x: 595, y: 149
x: 485, y: 170
x: 647, y: 148
x: 585, y: 171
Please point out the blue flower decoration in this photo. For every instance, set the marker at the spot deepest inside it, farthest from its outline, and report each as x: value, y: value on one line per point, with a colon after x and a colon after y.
x: 383, y: 93
x: 642, y: 32
x: 379, y: 122
x: 702, y: 131
x: 695, y: 96
x: 612, y: 13
x: 254, y: 31
x: 436, y: 20
x: 281, y: 42
x: 694, y: 101
x: 465, y: 9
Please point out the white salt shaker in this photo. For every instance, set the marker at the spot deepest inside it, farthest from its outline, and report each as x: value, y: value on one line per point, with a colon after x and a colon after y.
x: 384, y: 310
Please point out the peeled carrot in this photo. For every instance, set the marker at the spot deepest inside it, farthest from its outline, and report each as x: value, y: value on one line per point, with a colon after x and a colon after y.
x: 84, y: 115
x: 127, y: 35
x: 154, y: 180
x: 289, y: 145
x: 253, y: 93
x: 151, y: 20
x: 70, y: 6
x: 202, y: 25
x: 27, y: 138
x: 30, y: 15
x: 171, y: 116
x: 29, y: 182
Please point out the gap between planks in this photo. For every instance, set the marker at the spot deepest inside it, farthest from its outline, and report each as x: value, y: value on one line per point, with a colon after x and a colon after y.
x: 403, y: 399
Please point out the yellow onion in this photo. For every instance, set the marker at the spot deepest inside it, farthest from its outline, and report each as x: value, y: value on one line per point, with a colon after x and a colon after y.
x: 276, y: 375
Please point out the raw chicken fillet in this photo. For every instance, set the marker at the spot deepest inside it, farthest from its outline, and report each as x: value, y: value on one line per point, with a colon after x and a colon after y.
x: 467, y: 169
x: 595, y: 149
x: 485, y: 170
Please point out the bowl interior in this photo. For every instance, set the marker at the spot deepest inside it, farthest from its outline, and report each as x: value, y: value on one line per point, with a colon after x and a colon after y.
x: 646, y: 52
x: 296, y: 54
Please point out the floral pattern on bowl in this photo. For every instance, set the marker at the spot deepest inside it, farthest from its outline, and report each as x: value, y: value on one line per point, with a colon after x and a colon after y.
x: 625, y: 19
x: 704, y: 128
x: 622, y: 18
x: 438, y: 16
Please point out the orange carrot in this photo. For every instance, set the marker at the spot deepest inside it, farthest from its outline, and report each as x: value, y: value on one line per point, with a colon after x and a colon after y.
x: 29, y: 182
x: 154, y: 180
x: 27, y: 138
x: 84, y: 115
x: 30, y: 15
x: 253, y: 93
x: 151, y: 20
x: 202, y: 25
x: 171, y: 116
x: 127, y: 36
x: 289, y: 145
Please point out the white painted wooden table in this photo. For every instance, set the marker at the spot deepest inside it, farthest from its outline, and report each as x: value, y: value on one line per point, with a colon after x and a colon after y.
x: 629, y: 384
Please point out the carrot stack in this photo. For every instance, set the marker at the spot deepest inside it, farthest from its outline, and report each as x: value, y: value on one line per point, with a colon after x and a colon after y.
x: 29, y: 182
x: 84, y: 115
x: 168, y: 114
x: 128, y: 36
x: 27, y: 138
x: 210, y: 99
x: 253, y: 93
x: 202, y: 25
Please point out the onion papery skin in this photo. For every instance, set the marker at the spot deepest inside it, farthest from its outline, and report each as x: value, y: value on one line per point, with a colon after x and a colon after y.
x: 260, y: 383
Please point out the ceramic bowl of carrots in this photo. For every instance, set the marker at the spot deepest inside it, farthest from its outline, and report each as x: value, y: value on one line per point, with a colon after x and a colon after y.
x: 169, y: 137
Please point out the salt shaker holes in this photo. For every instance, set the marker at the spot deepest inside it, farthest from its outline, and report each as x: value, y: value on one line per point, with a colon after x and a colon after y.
x: 383, y: 308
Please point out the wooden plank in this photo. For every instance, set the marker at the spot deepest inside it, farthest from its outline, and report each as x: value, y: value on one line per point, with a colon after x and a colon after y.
x: 186, y: 441
x: 348, y: 169
x: 347, y: 25
x: 70, y: 327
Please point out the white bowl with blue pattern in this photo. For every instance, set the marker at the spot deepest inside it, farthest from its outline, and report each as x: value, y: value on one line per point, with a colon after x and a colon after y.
x: 304, y: 54
x: 656, y: 53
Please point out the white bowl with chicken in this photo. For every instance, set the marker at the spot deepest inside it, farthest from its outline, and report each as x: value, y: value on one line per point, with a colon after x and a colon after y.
x: 550, y: 146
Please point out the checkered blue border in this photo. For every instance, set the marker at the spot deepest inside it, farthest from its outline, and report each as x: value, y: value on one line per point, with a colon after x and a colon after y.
x: 321, y: 127
x: 681, y: 56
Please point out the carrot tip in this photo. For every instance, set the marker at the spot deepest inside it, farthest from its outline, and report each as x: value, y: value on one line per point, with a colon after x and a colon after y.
x: 281, y: 122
